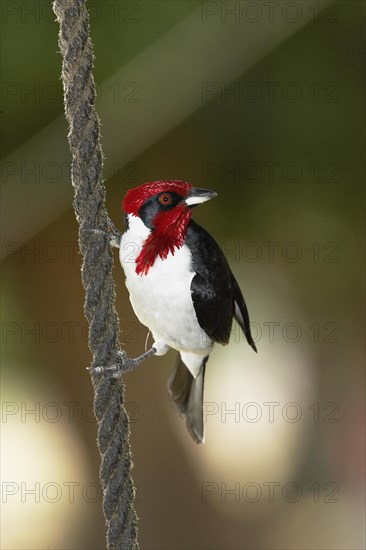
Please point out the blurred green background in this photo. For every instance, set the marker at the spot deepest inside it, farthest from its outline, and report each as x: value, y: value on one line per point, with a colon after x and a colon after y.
x: 262, y: 102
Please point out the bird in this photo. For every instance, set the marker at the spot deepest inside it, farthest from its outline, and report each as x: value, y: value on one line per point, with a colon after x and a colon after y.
x: 180, y: 287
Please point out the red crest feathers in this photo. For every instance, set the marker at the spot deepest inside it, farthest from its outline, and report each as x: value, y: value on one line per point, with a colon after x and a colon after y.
x: 136, y: 197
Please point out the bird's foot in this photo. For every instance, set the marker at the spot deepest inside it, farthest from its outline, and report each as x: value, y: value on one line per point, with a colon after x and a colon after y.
x: 113, y: 234
x: 124, y: 364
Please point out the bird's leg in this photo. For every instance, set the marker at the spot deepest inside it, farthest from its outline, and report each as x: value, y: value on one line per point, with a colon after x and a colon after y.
x: 124, y: 364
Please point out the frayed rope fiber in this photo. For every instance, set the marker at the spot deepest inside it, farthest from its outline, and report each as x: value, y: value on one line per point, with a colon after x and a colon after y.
x: 89, y: 205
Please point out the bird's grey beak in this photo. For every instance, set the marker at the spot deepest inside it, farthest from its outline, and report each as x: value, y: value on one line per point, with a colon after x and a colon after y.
x: 197, y: 196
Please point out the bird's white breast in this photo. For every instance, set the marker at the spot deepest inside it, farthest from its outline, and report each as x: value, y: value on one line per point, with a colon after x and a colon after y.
x: 162, y: 298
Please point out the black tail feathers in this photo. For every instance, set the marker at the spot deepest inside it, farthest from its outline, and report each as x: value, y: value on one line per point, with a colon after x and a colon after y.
x: 186, y: 393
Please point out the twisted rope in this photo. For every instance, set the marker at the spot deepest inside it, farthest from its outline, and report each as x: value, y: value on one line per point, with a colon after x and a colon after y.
x: 89, y: 205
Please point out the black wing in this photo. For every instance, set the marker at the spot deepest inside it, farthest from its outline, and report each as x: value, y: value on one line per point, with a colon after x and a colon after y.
x: 216, y: 295
x: 241, y: 313
x: 211, y: 287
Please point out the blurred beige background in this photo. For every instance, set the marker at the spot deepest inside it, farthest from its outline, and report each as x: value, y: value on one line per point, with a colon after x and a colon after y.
x: 262, y: 102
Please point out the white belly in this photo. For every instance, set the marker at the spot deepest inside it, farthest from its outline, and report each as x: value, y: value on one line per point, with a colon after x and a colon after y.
x: 162, y: 298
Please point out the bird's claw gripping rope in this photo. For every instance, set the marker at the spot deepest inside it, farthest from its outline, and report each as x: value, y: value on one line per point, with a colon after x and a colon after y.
x: 114, y: 235
x: 124, y: 364
x: 104, y: 370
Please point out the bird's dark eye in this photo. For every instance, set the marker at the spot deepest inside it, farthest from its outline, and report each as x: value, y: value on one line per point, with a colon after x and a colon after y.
x: 165, y: 199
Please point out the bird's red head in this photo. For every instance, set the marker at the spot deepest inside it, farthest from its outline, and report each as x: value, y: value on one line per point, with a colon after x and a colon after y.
x: 136, y: 197
x: 165, y: 207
